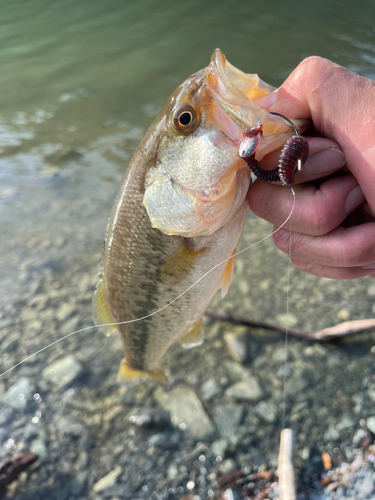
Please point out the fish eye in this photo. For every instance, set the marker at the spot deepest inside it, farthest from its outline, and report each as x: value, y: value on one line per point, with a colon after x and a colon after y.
x: 185, y: 119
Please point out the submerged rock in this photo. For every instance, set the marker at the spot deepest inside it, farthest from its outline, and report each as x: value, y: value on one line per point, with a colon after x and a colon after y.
x: 19, y: 393
x: 186, y: 409
x: 228, y: 418
x: 63, y: 371
x: 248, y: 389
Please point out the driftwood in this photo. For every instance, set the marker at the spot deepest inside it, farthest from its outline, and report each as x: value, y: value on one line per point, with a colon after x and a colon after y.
x: 287, y: 489
x: 11, y: 468
x: 331, y: 333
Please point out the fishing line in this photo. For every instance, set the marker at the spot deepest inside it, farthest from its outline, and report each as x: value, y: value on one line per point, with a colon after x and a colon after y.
x: 155, y: 312
x: 287, y: 312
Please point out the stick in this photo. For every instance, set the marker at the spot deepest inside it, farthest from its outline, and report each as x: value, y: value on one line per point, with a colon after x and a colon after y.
x: 333, y: 332
x: 287, y: 490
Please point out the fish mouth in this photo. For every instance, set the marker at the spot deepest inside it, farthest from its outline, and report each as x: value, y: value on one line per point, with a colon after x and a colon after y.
x: 234, y: 108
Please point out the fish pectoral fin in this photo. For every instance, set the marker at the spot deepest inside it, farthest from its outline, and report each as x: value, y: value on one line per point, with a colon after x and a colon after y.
x: 129, y: 376
x: 226, y: 280
x: 193, y: 337
x: 177, y: 266
x: 101, y: 312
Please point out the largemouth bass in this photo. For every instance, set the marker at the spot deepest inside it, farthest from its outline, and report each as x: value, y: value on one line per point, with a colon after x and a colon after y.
x: 180, y: 211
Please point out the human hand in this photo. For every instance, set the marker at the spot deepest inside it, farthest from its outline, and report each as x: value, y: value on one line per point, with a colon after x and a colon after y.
x: 333, y: 224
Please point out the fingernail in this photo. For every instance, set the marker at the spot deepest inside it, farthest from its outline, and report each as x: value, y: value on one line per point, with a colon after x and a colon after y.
x: 354, y: 199
x: 324, y: 162
x: 370, y: 266
x: 268, y: 101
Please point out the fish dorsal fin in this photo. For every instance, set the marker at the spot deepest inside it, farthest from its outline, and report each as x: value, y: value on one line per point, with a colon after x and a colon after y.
x: 226, y: 280
x: 193, y: 337
x: 129, y: 376
x: 178, y: 265
x: 102, y: 314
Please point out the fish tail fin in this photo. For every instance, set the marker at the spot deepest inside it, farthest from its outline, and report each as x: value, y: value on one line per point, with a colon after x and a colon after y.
x: 101, y: 312
x: 129, y: 376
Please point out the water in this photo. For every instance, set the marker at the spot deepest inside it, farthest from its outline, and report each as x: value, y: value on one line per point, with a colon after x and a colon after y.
x: 80, y: 83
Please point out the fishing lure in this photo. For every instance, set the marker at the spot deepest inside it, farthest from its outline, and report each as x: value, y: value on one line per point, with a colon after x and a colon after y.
x: 292, y: 157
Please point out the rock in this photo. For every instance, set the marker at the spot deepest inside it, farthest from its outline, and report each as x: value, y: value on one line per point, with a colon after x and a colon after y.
x: 39, y: 447
x: 226, y: 466
x: 10, y: 345
x: 63, y: 371
x: 19, y: 393
x: 236, y: 346
x: 185, y: 408
x: 236, y: 371
x: 331, y: 435
x: 266, y: 412
x: 371, y: 424
x: 220, y: 447
x: 210, y: 389
x: 286, y: 371
x: 248, y: 390
x: 286, y: 319
x: 228, y: 418
x: 107, y: 481
x: 345, y: 423
x: 359, y: 436
x: 79, y: 482
x: 172, y: 472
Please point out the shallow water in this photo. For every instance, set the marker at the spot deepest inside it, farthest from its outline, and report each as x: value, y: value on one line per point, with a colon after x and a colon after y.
x: 80, y: 83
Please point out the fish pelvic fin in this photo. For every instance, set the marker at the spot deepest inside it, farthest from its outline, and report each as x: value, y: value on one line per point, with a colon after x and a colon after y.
x: 226, y: 280
x: 178, y: 265
x: 193, y: 337
x: 129, y: 376
x: 101, y: 312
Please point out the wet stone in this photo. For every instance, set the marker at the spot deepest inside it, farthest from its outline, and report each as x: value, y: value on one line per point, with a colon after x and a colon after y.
x: 186, y: 409
x: 359, y: 436
x: 108, y: 480
x: 63, y: 371
x: 220, y: 447
x: 371, y: 424
x: 236, y: 346
x: 266, y: 412
x: 249, y: 390
x: 331, y: 435
x: 210, y: 389
x: 19, y: 393
x: 228, y: 418
x: 10, y: 345
x: 39, y: 447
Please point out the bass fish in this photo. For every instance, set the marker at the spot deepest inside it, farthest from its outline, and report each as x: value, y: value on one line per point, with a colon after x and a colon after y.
x: 179, y: 212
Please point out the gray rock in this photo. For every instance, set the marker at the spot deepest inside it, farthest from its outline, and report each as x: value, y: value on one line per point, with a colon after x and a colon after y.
x: 345, y: 423
x: 331, y: 435
x: 6, y: 415
x: 359, y: 436
x: 108, y: 480
x: 227, y: 419
x: 236, y: 346
x: 249, y: 390
x: 39, y: 447
x: 220, y: 447
x: 226, y: 466
x: 79, y: 482
x: 186, y: 409
x: 286, y: 371
x: 19, y: 393
x: 63, y: 371
x: 210, y: 389
x: 10, y: 345
x: 266, y: 412
x: 371, y: 424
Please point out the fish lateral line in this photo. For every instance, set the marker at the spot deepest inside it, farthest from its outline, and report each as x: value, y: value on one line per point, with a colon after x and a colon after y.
x: 104, y: 325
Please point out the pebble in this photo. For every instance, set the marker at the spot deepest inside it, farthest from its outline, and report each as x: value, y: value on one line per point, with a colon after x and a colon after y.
x: 227, y: 419
x: 220, y: 447
x: 249, y: 390
x: 108, y: 480
x: 186, y: 409
x: 39, y: 447
x: 10, y: 345
x: 359, y: 436
x: 286, y: 319
x: 331, y: 435
x: 371, y: 424
x: 63, y: 371
x: 210, y: 389
x: 19, y: 393
x: 236, y: 346
x: 266, y: 412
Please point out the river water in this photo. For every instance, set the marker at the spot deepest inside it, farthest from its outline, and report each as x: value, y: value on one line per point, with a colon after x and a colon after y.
x: 80, y: 83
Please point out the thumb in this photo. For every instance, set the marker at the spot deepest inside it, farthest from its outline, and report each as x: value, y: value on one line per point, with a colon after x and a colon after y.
x: 341, y: 105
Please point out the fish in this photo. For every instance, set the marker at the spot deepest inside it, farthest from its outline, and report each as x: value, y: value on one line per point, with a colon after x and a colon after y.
x: 180, y: 211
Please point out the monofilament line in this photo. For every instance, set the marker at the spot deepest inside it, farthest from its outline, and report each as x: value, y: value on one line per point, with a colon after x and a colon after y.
x: 287, y: 312
x: 155, y: 312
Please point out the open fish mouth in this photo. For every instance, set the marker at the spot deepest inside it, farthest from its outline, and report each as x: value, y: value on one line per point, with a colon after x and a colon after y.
x: 237, y: 93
